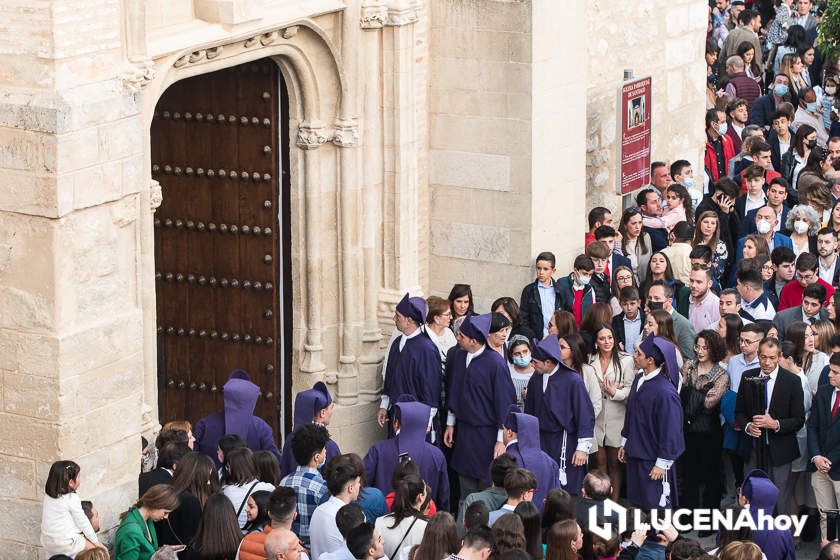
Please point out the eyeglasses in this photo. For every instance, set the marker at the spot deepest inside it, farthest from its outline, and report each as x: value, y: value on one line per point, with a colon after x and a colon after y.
x: 807, y: 277
x: 747, y: 341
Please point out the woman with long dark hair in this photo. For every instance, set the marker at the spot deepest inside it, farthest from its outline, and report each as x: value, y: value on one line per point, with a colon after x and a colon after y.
x: 574, y: 354
x: 615, y: 371
x: 509, y: 534
x: 218, y: 534
x: 405, y: 525
x: 729, y: 328
x: 622, y: 277
x: 659, y: 323
x: 195, y: 479
x: 562, y: 322
x: 598, y: 314
x: 635, y: 243
x: 707, y: 233
x: 532, y: 530
x: 508, y: 307
x: 439, y: 540
x: 256, y: 511
x: 241, y: 480
x: 559, y: 506
x: 461, y: 301
x: 268, y: 467
x: 705, y: 382
x: 659, y: 268
x: 793, y: 161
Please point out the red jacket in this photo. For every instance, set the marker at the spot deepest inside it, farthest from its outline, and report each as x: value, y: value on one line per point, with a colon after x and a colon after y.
x: 711, y: 160
x: 791, y: 295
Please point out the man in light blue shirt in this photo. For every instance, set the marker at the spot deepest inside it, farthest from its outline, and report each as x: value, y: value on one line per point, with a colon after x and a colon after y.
x: 519, y: 487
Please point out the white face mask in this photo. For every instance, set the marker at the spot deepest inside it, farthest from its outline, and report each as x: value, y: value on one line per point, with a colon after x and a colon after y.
x: 800, y: 226
x: 830, y: 90
x: 763, y: 226
x: 583, y: 279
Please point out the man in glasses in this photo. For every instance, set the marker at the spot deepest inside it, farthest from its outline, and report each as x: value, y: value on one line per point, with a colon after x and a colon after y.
x: 807, y: 272
x: 751, y: 335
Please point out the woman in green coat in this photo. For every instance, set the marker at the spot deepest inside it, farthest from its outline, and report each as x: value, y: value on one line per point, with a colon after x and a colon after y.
x: 136, y: 538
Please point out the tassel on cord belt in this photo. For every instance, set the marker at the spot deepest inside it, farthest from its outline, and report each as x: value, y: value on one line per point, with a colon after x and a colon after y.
x: 563, y: 461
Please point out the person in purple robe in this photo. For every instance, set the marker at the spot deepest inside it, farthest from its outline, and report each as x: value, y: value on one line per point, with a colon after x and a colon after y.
x: 759, y: 494
x: 652, y: 437
x: 522, y: 441
x: 314, y: 405
x: 240, y: 396
x: 410, y: 421
x: 480, y: 396
x: 557, y: 397
x: 414, y: 367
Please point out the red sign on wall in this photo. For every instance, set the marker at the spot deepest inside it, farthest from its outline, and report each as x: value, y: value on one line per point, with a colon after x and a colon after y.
x: 634, y: 111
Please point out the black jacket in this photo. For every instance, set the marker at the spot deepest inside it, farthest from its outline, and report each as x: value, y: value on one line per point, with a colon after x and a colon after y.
x: 182, y: 524
x: 566, y: 296
x: 618, y: 327
x: 824, y: 432
x: 530, y: 307
x: 786, y: 405
x: 149, y: 479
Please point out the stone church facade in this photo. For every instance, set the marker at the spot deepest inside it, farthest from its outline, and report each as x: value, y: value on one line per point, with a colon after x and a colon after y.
x: 410, y: 144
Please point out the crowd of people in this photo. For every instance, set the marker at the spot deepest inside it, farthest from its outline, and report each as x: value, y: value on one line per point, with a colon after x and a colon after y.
x: 690, y: 358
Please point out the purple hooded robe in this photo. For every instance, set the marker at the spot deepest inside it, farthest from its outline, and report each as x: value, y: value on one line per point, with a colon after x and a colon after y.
x: 526, y: 450
x: 307, y: 404
x: 564, y: 411
x: 383, y: 456
x: 240, y: 396
x: 762, y: 495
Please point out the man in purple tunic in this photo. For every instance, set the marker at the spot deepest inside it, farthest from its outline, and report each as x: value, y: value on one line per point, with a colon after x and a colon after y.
x: 652, y: 437
x: 313, y: 405
x: 479, y: 399
x: 414, y: 366
x: 557, y: 397
x: 522, y: 441
x: 240, y: 396
x: 410, y: 422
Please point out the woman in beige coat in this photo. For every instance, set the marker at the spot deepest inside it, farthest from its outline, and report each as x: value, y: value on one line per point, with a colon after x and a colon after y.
x: 615, y: 372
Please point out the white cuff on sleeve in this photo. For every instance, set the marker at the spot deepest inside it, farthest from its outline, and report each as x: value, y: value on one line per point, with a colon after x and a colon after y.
x: 450, y: 419
x: 584, y: 444
x: 499, y: 435
x: 385, y: 402
x: 623, y: 441
x: 664, y: 464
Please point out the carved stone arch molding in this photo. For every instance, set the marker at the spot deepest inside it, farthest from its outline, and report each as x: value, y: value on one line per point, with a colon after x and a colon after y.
x: 316, y: 86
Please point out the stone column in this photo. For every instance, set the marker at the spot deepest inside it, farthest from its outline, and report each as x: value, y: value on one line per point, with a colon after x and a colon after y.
x: 311, y: 136
x: 71, y: 356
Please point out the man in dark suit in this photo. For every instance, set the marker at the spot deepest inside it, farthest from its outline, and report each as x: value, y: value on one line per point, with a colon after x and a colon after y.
x: 629, y: 323
x: 824, y: 443
x: 169, y: 455
x: 770, y: 429
x: 810, y: 311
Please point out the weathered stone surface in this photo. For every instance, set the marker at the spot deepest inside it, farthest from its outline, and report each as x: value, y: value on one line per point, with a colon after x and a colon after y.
x: 472, y: 242
x: 17, y: 478
x: 464, y: 169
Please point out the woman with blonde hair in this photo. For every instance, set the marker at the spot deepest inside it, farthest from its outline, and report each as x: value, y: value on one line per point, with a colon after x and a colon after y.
x: 741, y: 550
x: 792, y: 66
x: 823, y: 331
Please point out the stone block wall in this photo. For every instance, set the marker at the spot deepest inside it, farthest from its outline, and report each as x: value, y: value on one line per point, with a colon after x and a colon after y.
x: 663, y: 39
x: 504, y: 161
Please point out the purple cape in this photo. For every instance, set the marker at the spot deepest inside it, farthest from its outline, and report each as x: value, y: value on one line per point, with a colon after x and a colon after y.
x: 653, y: 426
x: 415, y: 370
x: 307, y: 404
x: 476, y: 327
x: 564, y: 407
x: 384, y: 456
x: 240, y: 397
x: 762, y: 495
x: 663, y: 352
x: 480, y: 397
x: 528, y: 454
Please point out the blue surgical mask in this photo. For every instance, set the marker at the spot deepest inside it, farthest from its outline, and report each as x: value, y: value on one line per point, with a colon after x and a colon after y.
x: 780, y: 89
x: 811, y: 107
x: 722, y: 128
x: 688, y: 182
x: 522, y: 361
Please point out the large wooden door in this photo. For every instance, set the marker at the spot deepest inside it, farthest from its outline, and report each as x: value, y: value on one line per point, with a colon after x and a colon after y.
x: 219, y: 240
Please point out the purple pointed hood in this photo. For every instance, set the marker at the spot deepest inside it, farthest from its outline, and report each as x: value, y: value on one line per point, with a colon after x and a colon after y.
x: 477, y: 327
x: 760, y: 491
x: 414, y: 419
x: 527, y: 430
x: 413, y: 307
x: 240, y: 396
x: 547, y: 349
x: 308, y: 403
x: 662, y: 351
